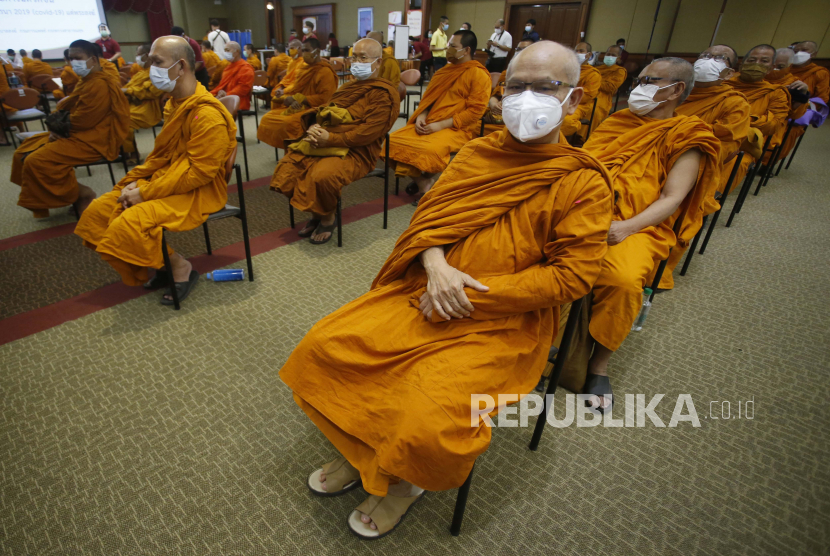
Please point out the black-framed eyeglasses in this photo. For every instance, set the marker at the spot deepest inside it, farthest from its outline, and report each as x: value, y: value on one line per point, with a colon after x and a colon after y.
x: 546, y: 88
x: 649, y: 80
x: 718, y: 57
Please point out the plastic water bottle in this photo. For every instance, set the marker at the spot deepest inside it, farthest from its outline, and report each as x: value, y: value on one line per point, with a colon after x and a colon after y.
x: 226, y: 275
x: 641, y: 318
x: 14, y: 81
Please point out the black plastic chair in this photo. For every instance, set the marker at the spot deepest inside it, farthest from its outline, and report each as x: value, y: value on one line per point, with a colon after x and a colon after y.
x: 121, y: 158
x: 590, y: 122
x: 745, y: 187
x: 227, y: 212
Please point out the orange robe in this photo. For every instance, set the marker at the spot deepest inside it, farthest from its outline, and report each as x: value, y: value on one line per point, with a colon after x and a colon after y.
x: 390, y: 70
x: 295, y: 67
x: 276, y: 65
x: 457, y: 91
x: 313, y: 183
x: 99, y: 120
x: 590, y: 80
x: 389, y: 51
x: 493, y: 122
x: 392, y: 390
x: 255, y: 62
x: 134, y: 69
x: 612, y: 78
x: 817, y: 78
x: 639, y: 153
x: 37, y: 67
x: 26, y: 60
x: 210, y: 58
x: 69, y: 80
x: 313, y: 87
x: 237, y: 79
x: 785, y: 78
x: 145, y: 109
x: 182, y: 182
x: 216, y: 77
x: 110, y: 68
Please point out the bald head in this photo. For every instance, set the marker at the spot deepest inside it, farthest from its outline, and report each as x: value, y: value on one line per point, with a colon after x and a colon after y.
x: 369, y: 47
x: 583, y: 47
x: 613, y: 50
x: 296, y: 45
x: 375, y: 35
x: 172, y: 49
x: 783, y: 58
x: 234, y: 50
x: 725, y: 50
x: 675, y: 70
x: 545, y: 61
x: 805, y: 46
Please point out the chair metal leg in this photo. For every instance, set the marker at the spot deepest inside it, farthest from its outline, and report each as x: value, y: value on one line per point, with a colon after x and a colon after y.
x: 691, y: 251
x: 736, y: 208
x: 169, y: 268
x: 784, y: 142
x: 88, y: 170
x: 559, y: 364
x: 112, y: 174
x: 244, y: 146
x: 244, y: 218
x: 723, y: 198
x: 277, y: 153
x: 291, y: 213
x: 154, y: 132
x: 256, y: 116
x: 207, y: 238
x: 591, y: 121
x: 386, y: 184
x: 461, y: 504
x: 767, y: 171
x: 339, y: 223
x: 397, y: 184
x: 795, y: 150
x: 659, y: 276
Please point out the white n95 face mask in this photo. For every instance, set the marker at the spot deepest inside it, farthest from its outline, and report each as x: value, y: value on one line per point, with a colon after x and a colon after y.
x: 641, y: 101
x: 708, y: 70
x: 800, y: 57
x: 581, y: 57
x: 80, y: 67
x: 161, y: 78
x: 530, y: 116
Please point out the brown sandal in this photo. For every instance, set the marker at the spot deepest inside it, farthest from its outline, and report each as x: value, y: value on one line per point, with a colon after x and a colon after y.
x: 387, y: 512
x: 341, y: 477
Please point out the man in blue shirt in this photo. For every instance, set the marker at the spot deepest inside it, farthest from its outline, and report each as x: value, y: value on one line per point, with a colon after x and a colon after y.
x: 530, y: 33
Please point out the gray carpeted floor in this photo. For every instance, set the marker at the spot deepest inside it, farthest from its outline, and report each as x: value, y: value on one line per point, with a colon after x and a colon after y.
x: 139, y: 430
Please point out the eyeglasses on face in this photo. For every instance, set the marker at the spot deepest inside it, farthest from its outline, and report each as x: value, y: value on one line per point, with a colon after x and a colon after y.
x: 649, y: 80
x: 546, y: 88
x: 719, y: 57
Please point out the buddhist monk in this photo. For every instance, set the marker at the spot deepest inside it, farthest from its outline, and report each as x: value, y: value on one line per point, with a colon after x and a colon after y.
x: 390, y: 70
x: 664, y: 165
x: 726, y: 110
x: 446, y: 119
x: 136, y: 66
x: 467, y: 303
x: 43, y: 165
x: 277, y: 65
x: 315, y: 83
x: 287, y: 79
x: 4, y: 87
x: 216, y: 76
x: 69, y: 79
x: 237, y: 77
x: 36, y: 67
x: 817, y: 79
x: 106, y: 66
x: 613, y: 75
x: 338, y: 148
x: 781, y: 74
x: 590, y: 80
x: 210, y: 57
x: 25, y: 58
x: 252, y: 57
x: 492, y: 117
x: 181, y: 182
x: 144, y: 97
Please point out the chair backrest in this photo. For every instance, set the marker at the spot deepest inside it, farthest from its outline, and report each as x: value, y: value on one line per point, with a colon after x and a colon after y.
x: 410, y: 77
x: 416, y: 65
x: 481, y: 56
x: 44, y: 83
x: 402, y: 91
x: 494, y: 79
x: 337, y: 64
x: 229, y: 165
x: 21, y: 99
x: 260, y: 78
x: 231, y: 102
x: 19, y: 73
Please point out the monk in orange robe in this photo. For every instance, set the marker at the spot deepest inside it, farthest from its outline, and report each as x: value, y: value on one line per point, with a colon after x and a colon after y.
x: 296, y: 65
x: 69, y: 79
x: 448, y: 116
x: 135, y: 67
x: 613, y: 76
x: 43, y: 165
x: 145, y: 108
x: 338, y: 151
x: 492, y: 116
x: 36, y: 67
x: 278, y: 64
x: 817, y: 79
x: 25, y: 58
x: 216, y: 76
x: 314, y: 86
x: 467, y: 303
x: 4, y: 87
x: 727, y: 111
x: 781, y: 74
x: 237, y: 78
x: 179, y: 185
x: 390, y: 70
x: 209, y: 57
x: 252, y: 58
x: 590, y: 81
x: 664, y: 166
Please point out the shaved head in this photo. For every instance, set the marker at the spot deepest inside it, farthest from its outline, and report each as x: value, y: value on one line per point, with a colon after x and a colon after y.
x: 766, y: 50
x: 375, y: 35
x: 727, y: 51
x: 545, y: 61
x: 806, y: 46
x: 172, y: 49
x: 676, y: 69
x: 614, y: 51
x: 296, y: 43
x: 233, y: 47
x: 369, y: 46
x: 583, y: 47
x: 783, y: 58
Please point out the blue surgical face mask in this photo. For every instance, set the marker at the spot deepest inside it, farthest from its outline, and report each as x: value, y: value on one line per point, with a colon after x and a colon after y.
x: 609, y: 60
x: 80, y: 67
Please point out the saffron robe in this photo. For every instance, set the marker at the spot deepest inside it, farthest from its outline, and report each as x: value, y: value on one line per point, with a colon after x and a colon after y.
x: 145, y: 107
x: 493, y: 123
x: 69, y: 80
x: 216, y: 76
x: 590, y: 80
x: 4, y: 87
x: 99, y: 121
x: 817, y: 78
x: 276, y: 65
x: 315, y: 85
x: 313, y: 183
x: 391, y: 390
x: 210, y: 58
x: 255, y: 62
x: 295, y: 67
x: 37, y: 67
x: 237, y: 79
x: 639, y: 153
x: 390, y: 70
x: 182, y: 182
x: 612, y: 78
x: 457, y: 91
x: 110, y: 69
x: 134, y: 69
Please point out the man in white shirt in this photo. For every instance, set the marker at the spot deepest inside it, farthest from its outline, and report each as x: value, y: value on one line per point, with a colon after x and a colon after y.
x: 217, y: 38
x: 499, y: 44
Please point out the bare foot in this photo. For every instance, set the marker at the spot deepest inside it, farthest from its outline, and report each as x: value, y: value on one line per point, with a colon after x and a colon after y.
x: 85, y: 197
x: 326, y: 220
x: 181, y: 270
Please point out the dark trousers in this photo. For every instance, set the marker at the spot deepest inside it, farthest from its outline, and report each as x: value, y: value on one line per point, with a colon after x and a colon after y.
x: 438, y: 63
x: 497, y: 65
x: 425, y: 67
x: 203, y: 77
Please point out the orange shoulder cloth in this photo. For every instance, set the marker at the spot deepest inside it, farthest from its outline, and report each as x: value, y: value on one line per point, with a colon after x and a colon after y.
x: 307, y: 75
x: 443, y: 81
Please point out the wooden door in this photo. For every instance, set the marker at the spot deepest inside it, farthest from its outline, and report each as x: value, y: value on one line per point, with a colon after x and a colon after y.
x: 323, y: 13
x: 559, y: 21
x: 519, y: 15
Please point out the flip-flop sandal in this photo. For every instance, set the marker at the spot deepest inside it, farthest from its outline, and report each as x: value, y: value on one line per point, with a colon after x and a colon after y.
x: 341, y: 477
x: 183, y: 289
x: 159, y: 280
x: 412, y: 188
x: 322, y: 230
x: 599, y: 385
x: 387, y: 512
x: 308, y: 229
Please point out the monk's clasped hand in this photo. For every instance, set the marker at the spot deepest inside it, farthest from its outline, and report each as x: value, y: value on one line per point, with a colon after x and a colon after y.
x: 618, y: 231
x: 130, y: 196
x: 445, y: 292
